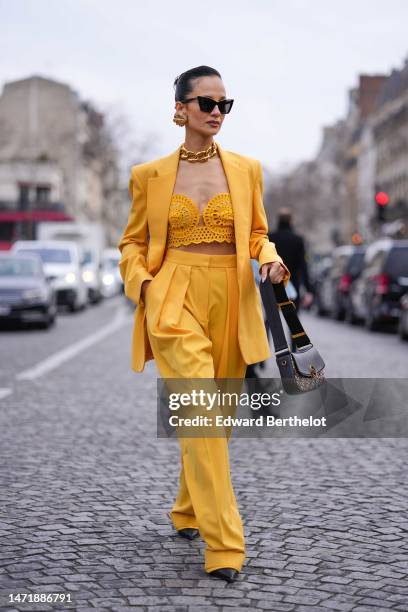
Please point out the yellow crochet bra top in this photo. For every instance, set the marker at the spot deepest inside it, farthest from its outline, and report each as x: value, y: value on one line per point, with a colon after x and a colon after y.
x: 184, y: 220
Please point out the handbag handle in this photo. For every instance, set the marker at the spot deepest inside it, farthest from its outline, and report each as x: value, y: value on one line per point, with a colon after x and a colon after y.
x: 274, y: 296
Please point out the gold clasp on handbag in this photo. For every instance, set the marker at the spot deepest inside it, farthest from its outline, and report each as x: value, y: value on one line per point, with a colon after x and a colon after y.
x: 313, y: 371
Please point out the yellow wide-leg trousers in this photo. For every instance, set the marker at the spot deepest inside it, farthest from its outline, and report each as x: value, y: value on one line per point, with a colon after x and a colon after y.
x: 192, y: 323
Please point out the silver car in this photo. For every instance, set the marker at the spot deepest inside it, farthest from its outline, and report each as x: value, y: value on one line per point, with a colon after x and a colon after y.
x: 62, y: 261
x: 25, y: 294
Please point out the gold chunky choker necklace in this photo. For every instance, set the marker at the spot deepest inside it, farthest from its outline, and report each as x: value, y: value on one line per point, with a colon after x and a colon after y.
x: 199, y: 156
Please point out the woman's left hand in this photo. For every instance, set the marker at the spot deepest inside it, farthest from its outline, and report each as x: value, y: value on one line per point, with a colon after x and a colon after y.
x: 275, y: 270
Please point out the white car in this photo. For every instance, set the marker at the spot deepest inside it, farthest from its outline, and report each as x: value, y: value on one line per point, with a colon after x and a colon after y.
x: 92, y: 271
x: 62, y: 262
x: 111, y: 278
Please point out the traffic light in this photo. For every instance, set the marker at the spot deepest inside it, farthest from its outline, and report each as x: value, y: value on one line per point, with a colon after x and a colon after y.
x: 381, y: 199
x: 356, y: 238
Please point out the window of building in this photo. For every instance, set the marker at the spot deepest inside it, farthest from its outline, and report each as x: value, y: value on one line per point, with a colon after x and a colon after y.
x: 42, y: 194
x: 24, y: 196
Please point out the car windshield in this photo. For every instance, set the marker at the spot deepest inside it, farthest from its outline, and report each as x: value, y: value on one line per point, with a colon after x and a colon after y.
x: 14, y: 266
x: 51, y: 255
x: 397, y: 262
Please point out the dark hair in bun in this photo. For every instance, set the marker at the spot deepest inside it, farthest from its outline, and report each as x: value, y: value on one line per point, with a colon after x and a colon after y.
x: 183, y: 83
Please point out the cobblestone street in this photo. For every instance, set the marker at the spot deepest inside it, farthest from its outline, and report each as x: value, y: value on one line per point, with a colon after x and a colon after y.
x: 86, y: 487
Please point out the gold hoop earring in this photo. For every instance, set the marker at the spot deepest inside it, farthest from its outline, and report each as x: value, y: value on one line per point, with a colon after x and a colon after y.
x: 179, y: 119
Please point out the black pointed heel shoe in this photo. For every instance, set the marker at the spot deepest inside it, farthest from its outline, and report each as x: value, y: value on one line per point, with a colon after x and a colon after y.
x: 225, y: 573
x: 188, y: 532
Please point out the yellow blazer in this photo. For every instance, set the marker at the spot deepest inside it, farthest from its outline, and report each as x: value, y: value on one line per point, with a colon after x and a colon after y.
x: 143, y: 242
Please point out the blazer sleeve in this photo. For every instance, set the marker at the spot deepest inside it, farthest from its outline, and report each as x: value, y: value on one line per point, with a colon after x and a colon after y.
x: 133, y: 244
x: 261, y: 248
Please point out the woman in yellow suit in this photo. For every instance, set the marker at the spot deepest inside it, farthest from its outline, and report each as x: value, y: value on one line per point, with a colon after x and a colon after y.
x: 196, y: 220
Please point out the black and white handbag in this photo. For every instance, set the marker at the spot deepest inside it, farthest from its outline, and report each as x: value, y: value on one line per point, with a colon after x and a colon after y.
x: 302, y: 370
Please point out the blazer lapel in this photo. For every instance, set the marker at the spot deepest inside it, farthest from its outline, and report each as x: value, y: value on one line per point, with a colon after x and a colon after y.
x: 239, y: 184
x: 160, y: 190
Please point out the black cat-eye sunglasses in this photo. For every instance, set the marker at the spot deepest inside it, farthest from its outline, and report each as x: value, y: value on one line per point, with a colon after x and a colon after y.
x: 207, y: 105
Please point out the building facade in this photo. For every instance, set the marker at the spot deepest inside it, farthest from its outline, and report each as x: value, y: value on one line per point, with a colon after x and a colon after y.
x: 56, y: 154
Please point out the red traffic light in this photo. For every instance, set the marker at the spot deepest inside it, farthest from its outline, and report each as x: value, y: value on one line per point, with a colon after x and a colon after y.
x: 382, y: 198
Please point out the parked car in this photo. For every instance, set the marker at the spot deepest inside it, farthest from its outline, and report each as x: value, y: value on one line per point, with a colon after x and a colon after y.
x: 111, y: 279
x: 383, y: 281
x: 92, y: 271
x: 25, y: 293
x: 321, y: 271
x: 354, y: 267
x: 403, y: 319
x: 62, y: 263
x: 90, y: 237
x: 346, y: 265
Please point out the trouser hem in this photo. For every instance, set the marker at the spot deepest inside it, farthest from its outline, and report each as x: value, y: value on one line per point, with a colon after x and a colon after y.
x: 216, y: 560
x: 183, y: 522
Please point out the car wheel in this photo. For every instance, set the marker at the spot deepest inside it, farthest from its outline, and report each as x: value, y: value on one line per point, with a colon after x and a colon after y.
x: 403, y: 334
x: 371, y: 323
x: 49, y: 322
x: 73, y: 307
x: 338, y: 313
x: 349, y: 316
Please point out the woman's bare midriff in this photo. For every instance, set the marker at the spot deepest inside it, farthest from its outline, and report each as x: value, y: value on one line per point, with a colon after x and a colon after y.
x: 218, y: 248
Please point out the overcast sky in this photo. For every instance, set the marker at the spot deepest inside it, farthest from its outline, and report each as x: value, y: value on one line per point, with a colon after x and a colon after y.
x: 287, y: 63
